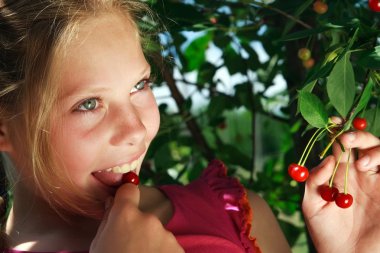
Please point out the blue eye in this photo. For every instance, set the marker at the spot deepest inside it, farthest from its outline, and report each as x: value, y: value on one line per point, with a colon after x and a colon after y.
x: 88, y: 105
x: 140, y: 85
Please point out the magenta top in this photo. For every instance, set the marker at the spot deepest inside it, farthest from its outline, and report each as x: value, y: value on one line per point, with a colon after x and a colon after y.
x: 211, y: 214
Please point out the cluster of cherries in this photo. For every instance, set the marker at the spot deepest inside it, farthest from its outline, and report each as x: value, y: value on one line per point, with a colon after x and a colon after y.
x: 300, y: 173
x: 320, y: 7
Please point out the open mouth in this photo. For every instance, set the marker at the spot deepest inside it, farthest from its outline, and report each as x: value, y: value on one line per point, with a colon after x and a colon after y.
x: 112, y: 176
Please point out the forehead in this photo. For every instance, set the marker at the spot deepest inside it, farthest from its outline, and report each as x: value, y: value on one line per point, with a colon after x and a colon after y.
x: 104, y: 48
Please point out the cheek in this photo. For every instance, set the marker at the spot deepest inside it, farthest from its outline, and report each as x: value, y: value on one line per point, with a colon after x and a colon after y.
x: 145, y: 104
x: 69, y: 146
x: 151, y: 120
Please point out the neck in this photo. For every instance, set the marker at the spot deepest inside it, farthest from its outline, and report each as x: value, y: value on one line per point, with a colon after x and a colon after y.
x: 34, y: 225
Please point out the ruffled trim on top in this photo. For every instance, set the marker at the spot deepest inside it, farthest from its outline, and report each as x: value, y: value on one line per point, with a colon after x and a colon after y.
x: 234, y: 195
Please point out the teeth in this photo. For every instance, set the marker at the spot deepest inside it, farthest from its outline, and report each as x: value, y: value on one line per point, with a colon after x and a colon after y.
x: 126, y: 167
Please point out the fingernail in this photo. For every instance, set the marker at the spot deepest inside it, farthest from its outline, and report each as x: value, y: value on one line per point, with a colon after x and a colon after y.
x: 364, y: 161
x: 324, y: 162
x: 351, y: 136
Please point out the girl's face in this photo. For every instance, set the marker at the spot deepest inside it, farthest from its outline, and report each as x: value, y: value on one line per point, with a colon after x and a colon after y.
x: 106, y: 115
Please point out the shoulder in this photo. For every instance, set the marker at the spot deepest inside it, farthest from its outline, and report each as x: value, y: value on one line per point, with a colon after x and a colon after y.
x: 265, y: 227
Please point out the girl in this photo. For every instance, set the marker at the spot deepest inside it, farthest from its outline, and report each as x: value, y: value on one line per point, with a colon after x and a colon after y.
x: 77, y: 112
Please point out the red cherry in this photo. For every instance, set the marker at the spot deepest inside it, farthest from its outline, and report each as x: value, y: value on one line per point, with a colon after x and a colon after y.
x: 309, y: 63
x: 213, y: 20
x: 320, y: 7
x: 130, y: 177
x: 222, y: 125
x: 343, y: 200
x: 359, y: 123
x: 298, y: 173
x: 374, y: 5
x: 328, y: 193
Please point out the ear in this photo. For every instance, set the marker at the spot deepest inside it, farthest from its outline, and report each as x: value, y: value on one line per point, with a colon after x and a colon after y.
x: 5, y: 144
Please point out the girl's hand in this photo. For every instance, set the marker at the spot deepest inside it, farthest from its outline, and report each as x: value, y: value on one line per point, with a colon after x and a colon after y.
x: 125, y: 229
x: 357, y: 228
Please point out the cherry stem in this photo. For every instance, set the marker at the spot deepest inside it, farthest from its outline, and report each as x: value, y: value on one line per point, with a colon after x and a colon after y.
x: 329, y: 145
x: 307, y: 146
x: 346, y: 175
x: 335, y: 169
x: 310, y: 145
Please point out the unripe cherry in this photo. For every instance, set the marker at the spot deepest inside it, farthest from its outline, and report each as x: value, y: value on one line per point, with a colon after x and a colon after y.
x: 304, y: 54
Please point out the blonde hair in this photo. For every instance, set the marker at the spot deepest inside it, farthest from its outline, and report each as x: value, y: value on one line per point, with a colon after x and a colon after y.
x: 32, y: 34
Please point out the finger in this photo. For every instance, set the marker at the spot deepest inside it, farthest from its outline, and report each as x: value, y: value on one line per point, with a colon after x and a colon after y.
x: 322, y: 173
x: 369, y: 160
x: 359, y: 139
x: 342, y: 155
x: 336, y: 120
x: 127, y: 193
x: 312, y: 201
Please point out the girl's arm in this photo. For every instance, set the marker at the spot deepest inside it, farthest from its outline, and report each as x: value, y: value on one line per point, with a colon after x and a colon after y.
x: 265, y: 227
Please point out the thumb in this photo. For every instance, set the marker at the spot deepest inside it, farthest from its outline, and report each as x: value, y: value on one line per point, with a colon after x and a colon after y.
x: 322, y: 173
x: 126, y: 200
x: 127, y: 193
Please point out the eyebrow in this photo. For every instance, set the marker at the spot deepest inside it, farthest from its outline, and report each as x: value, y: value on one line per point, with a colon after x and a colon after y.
x: 97, y: 89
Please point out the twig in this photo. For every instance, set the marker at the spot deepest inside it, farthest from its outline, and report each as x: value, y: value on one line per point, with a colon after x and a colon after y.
x: 281, y: 12
x: 190, y: 122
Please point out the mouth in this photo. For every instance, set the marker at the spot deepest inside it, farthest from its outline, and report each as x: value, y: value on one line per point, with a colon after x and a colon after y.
x: 112, y: 176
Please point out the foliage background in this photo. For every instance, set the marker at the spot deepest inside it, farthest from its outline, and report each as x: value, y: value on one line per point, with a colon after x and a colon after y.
x: 227, y: 87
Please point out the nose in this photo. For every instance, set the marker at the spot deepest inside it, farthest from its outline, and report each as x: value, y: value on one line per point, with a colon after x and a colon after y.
x: 128, y: 127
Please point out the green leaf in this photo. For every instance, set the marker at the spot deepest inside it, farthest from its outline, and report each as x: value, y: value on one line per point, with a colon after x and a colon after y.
x: 231, y: 154
x: 373, y: 118
x: 364, y: 98
x: 290, y: 24
x: 307, y: 88
x: 320, y: 72
x: 218, y: 104
x: 370, y: 59
x: 310, y: 86
x: 312, y: 109
x: 341, y: 85
x: 221, y: 40
x: 206, y: 74
x: 303, y: 34
x: 234, y: 61
x: 353, y: 38
x: 163, y: 157
x: 243, y: 96
x: 195, y: 52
